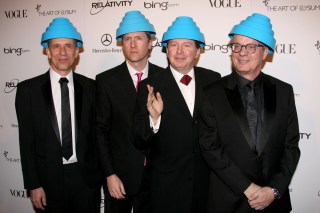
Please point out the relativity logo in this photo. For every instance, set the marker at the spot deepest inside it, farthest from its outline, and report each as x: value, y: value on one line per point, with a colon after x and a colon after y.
x: 317, y: 45
x: 9, y: 158
x: 159, y: 5
x: 11, y: 85
x: 305, y: 136
x: 97, y: 7
x: 225, y: 3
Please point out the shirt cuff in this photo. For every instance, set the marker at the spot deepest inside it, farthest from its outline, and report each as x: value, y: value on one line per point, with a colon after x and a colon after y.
x: 155, y: 127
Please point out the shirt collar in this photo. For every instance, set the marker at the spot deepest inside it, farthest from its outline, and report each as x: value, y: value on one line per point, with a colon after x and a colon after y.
x: 55, y: 77
x: 133, y: 72
x: 177, y: 75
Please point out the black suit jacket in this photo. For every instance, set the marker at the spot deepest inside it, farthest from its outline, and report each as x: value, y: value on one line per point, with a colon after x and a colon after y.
x: 227, y: 146
x: 179, y: 176
x: 115, y: 102
x: 40, y: 146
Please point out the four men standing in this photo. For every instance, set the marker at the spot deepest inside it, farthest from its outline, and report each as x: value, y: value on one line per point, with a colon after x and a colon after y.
x: 158, y: 142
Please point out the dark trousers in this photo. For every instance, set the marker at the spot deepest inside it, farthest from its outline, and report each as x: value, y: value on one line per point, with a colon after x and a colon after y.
x: 139, y: 203
x: 77, y: 196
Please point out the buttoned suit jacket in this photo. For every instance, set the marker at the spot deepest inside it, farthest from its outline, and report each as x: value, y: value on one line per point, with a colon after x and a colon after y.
x: 39, y: 138
x: 116, y: 98
x: 228, y: 148
x: 179, y: 176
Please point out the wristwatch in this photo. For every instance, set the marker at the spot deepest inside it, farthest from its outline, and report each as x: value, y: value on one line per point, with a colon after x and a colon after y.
x: 276, y: 193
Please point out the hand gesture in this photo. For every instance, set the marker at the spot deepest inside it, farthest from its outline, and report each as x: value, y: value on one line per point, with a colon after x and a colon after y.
x: 154, y: 104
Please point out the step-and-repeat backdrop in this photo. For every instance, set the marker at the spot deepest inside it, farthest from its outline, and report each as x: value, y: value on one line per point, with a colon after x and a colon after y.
x: 296, y: 61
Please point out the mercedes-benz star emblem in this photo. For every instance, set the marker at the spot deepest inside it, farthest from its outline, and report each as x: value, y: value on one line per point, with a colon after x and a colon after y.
x: 106, y: 39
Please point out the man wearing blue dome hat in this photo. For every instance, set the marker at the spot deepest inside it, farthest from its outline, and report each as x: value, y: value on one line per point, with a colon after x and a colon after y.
x: 55, y: 113
x: 249, y: 128
x: 167, y: 127
x: 124, y: 167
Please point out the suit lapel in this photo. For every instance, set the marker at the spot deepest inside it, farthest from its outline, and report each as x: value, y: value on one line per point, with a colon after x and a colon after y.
x: 78, y: 96
x: 235, y: 101
x: 270, y: 98
x: 48, y: 99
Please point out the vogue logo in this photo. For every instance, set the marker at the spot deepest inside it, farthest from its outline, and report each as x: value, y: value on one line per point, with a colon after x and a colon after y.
x: 16, y: 14
x: 97, y: 7
x: 160, y: 5
x: 225, y: 3
x: 285, y: 48
x: 11, y: 85
x: 19, y: 193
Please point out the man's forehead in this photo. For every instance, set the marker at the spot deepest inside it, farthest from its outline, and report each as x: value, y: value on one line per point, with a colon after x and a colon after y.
x: 181, y: 40
x: 132, y: 34
x: 62, y: 40
x: 242, y: 38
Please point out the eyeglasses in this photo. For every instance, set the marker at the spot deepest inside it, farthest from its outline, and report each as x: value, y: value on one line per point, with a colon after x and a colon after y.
x: 251, y: 48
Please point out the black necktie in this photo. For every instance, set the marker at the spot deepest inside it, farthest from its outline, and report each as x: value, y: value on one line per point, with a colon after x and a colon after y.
x: 252, y: 114
x: 65, y: 119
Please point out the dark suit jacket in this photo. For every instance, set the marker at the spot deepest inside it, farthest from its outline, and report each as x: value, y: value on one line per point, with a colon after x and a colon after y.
x: 179, y: 176
x: 227, y: 146
x: 116, y: 98
x: 40, y: 146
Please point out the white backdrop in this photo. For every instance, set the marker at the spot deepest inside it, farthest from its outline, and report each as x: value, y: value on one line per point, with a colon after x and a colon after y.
x: 296, y: 59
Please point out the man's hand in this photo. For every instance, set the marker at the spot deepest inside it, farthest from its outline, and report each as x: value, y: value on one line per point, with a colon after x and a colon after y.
x: 261, y: 199
x: 154, y: 104
x: 115, y: 187
x: 38, y: 198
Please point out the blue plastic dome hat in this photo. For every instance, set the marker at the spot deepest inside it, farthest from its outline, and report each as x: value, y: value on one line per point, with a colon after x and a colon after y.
x: 258, y: 27
x: 134, y: 21
x: 184, y: 28
x: 60, y: 28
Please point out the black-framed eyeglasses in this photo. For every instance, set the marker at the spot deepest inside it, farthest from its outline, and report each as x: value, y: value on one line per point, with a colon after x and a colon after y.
x: 251, y: 48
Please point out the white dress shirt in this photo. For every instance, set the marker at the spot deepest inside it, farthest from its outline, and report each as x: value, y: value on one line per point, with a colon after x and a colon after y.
x: 188, y: 93
x: 56, y: 94
x: 133, y: 72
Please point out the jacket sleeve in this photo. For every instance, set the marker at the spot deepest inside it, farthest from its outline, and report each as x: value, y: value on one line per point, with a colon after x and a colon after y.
x: 142, y: 132
x: 103, y: 128
x: 26, y: 137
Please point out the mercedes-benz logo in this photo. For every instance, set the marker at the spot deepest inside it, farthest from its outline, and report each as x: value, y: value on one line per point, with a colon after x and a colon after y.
x: 106, y: 39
